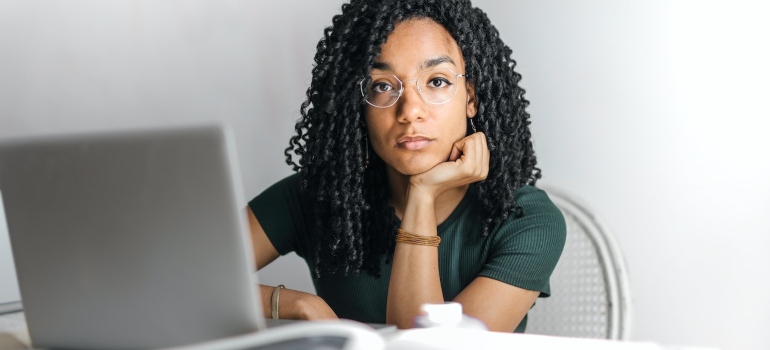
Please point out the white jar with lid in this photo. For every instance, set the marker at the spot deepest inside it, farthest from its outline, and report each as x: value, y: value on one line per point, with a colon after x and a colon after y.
x: 447, y: 314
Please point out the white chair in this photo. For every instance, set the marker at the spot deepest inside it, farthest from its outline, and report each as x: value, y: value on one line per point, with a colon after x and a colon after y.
x: 590, y: 292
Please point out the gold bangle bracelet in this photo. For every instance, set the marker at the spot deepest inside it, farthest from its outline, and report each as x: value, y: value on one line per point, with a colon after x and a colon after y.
x: 274, y: 301
x: 411, y: 238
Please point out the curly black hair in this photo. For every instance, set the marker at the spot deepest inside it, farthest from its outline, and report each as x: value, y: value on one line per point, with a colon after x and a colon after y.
x: 354, y: 226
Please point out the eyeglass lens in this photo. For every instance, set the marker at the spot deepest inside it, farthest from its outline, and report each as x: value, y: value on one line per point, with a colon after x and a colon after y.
x: 436, y: 87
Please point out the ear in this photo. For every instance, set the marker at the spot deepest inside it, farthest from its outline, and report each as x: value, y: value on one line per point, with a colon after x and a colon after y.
x: 471, y: 104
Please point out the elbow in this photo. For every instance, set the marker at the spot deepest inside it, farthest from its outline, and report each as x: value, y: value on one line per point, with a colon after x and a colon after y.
x: 397, y: 323
x: 400, y: 322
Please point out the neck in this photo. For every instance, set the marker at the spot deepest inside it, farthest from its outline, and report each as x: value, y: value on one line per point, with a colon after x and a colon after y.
x: 445, y: 203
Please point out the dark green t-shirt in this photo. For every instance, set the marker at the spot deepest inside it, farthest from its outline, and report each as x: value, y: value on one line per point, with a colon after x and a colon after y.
x: 521, y: 252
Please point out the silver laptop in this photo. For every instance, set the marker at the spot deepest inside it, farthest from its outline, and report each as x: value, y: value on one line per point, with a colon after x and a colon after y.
x: 10, y: 300
x: 131, y: 239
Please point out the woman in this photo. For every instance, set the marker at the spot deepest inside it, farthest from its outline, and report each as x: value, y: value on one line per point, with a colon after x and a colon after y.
x: 414, y: 130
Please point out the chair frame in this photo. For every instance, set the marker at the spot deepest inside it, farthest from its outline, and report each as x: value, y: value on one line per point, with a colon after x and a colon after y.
x: 611, y: 258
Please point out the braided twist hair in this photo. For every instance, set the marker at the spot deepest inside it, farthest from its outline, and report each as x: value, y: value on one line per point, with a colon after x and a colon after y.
x: 354, y: 226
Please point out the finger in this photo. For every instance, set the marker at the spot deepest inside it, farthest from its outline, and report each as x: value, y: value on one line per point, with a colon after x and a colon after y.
x: 458, y: 149
x: 455, y: 153
x: 470, y: 151
x: 479, y: 155
x: 486, y: 156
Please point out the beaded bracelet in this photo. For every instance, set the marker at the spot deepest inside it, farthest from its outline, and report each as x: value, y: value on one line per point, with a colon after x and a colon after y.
x: 411, y: 238
x: 274, y: 301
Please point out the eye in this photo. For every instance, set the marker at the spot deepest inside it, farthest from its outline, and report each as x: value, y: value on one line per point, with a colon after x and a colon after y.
x: 438, y: 83
x: 381, y: 87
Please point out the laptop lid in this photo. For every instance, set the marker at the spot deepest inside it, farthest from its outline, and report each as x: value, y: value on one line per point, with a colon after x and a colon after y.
x: 130, y: 239
x: 10, y: 300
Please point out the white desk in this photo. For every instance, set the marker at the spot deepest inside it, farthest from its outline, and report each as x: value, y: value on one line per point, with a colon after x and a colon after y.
x: 13, y: 332
x: 449, y: 339
x: 16, y: 338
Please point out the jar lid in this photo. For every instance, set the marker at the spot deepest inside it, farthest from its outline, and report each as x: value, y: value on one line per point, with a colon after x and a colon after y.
x: 448, y: 313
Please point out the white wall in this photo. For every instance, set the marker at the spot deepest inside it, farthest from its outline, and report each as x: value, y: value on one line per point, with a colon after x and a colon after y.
x: 88, y: 65
x: 656, y: 113
x: 653, y: 112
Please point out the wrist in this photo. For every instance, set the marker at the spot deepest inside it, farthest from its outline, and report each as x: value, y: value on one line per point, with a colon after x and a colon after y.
x: 420, y: 194
x: 289, y: 305
x: 306, y: 306
x: 275, y: 301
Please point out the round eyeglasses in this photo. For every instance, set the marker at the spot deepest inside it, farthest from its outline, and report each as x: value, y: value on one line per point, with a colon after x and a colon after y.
x: 435, y: 86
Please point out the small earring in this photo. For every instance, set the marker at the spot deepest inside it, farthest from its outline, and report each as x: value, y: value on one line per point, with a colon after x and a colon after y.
x: 473, y: 127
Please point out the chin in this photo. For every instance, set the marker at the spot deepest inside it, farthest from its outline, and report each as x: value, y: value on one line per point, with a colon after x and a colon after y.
x: 417, y: 166
x: 413, y: 170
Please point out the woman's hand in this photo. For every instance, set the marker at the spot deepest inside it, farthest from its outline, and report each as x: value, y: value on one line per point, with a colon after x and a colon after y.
x: 468, y: 163
x: 296, y: 305
x: 312, y: 307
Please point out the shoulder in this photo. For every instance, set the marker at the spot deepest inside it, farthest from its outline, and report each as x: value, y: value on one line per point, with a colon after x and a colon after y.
x: 537, y: 205
x: 281, y: 211
x: 541, y: 220
x: 288, y: 187
x: 536, y: 200
x: 290, y: 183
x: 286, y: 191
x: 525, y: 249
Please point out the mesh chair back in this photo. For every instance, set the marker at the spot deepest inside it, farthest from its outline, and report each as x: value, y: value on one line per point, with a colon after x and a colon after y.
x: 589, y: 287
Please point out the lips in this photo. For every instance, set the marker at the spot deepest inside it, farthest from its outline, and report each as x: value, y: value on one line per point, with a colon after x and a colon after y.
x: 413, y: 143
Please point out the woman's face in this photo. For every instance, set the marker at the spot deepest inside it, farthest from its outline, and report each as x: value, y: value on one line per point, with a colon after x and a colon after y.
x: 412, y: 136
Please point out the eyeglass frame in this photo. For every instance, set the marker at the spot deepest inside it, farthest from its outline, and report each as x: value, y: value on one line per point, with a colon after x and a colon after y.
x: 419, y: 90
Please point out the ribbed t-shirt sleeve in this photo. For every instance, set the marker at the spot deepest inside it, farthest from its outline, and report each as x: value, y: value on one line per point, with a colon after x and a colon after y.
x: 278, y: 210
x: 525, y: 250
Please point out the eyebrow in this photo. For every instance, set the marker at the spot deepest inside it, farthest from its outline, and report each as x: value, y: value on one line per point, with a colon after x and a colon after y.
x: 379, y: 65
x: 436, y: 61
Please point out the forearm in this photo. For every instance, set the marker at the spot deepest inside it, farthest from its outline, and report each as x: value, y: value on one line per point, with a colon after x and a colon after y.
x: 414, y: 278
x: 292, y: 304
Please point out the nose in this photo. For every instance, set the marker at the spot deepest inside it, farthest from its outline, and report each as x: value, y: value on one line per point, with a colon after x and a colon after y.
x: 410, y: 106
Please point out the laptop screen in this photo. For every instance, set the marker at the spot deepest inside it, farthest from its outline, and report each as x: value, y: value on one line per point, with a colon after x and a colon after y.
x: 9, y: 287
